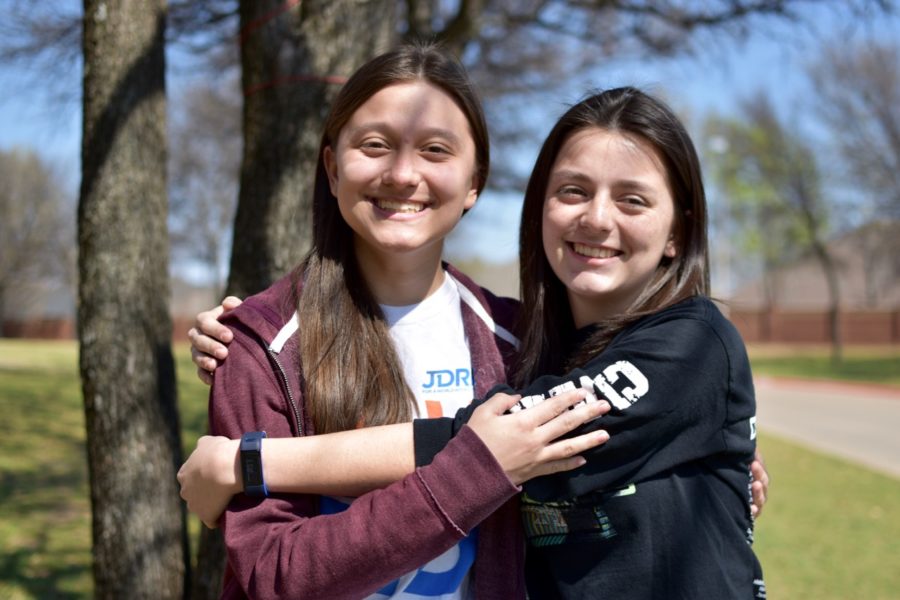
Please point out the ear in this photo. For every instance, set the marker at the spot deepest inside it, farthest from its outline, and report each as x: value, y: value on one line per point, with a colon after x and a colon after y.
x: 331, y: 169
x: 671, y: 248
x: 472, y: 194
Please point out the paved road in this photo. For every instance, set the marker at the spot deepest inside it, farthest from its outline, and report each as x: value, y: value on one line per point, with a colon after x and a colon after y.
x: 860, y: 423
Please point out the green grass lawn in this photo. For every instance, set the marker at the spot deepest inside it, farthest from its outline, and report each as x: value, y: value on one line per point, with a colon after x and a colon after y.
x: 831, y: 530
x: 873, y: 365
x: 45, y: 531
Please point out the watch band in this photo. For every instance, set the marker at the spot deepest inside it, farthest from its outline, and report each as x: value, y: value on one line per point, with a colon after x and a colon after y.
x: 251, y: 464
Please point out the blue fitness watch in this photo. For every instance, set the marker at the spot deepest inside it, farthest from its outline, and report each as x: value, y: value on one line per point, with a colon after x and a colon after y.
x: 251, y: 464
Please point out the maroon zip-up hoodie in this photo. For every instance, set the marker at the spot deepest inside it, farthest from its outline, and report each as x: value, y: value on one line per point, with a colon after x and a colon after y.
x: 281, y: 547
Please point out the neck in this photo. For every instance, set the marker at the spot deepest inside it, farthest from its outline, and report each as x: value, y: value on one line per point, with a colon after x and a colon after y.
x: 402, y: 280
x: 586, y: 313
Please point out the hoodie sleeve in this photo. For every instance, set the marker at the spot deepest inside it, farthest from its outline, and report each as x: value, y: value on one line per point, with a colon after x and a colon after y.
x: 681, y: 391
x: 430, y: 436
x: 281, y: 547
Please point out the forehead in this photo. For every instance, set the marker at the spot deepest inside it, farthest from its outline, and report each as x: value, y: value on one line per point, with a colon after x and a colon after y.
x: 598, y: 153
x: 411, y: 106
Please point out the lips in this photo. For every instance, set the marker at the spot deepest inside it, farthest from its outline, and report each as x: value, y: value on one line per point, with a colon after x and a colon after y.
x: 593, y: 251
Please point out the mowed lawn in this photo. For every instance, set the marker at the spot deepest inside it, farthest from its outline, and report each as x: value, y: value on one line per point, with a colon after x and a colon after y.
x: 879, y: 364
x: 831, y: 530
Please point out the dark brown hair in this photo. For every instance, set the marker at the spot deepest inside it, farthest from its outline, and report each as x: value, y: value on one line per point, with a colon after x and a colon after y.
x: 352, y: 374
x: 546, y: 323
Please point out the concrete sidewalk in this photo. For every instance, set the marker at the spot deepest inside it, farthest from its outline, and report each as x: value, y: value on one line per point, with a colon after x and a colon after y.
x: 857, y: 422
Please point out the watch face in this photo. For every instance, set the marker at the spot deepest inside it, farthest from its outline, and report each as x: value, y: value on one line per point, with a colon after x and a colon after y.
x: 250, y: 469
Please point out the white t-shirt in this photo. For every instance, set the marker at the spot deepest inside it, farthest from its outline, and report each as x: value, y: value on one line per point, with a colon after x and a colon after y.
x: 431, y: 343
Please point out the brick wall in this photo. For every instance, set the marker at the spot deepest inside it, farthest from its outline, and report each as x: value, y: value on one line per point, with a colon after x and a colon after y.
x: 811, y: 327
x: 43, y: 329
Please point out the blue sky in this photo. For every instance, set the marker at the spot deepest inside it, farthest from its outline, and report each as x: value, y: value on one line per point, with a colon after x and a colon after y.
x: 723, y: 70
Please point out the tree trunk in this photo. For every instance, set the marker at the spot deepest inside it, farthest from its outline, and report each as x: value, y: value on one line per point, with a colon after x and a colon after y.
x: 834, y: 299
x: 294, y: 58
x: 127, y: 372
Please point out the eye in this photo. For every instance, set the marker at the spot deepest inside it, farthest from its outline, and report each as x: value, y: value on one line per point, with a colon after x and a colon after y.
x: 632, y: 200
x: 436, y: 149
x: 374, y: 144
x: 570, y: 191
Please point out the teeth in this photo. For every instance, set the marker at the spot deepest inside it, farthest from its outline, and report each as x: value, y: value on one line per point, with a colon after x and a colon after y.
x: 594, y: 252
x: 399, y: 206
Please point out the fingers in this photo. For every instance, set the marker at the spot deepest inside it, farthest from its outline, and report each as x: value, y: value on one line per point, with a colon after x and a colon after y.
x: 206, y: 478
x: 211, y: 339
x: 203, y: 360
x: 204, y: 376
x: 554, y: 406
x: 498, y: 404
x: 570, y: 447
x: 558, y: 466
x: 563, y: 455
x: 568, y: 420
x: 231, y: 302
x: 560, y: 414
x: 759, y: 498
x: 759, y: 488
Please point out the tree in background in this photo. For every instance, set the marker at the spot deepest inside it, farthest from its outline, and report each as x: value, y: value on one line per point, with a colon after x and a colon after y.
x: 127, y: 372
x: 772, y: 177
x: 204, y: 164
x: 36, y: 232
x: 857, y: 98
x: 754, y: 219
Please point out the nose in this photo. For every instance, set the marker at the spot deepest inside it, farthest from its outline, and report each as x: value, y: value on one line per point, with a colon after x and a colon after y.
x: 598, y: 214
x: 401, y: 171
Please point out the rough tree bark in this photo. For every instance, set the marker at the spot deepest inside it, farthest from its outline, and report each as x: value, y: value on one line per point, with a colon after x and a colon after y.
x: 127, y: 372
x: 294, y: 58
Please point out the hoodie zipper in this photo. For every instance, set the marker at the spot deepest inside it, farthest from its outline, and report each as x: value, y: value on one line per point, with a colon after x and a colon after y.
x: 287, y: 387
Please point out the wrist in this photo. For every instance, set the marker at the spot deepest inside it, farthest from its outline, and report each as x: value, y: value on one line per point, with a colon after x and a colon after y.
x: 230, y: 467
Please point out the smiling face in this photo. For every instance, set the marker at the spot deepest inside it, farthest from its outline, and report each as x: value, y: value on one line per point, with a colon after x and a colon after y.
x: 403, y: 171
x: 608, y: 221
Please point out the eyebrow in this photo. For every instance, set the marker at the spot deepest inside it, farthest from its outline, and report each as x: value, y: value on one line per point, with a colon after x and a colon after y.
x: 426, y: 132
x: 581, y: 177
x: 569, y: 175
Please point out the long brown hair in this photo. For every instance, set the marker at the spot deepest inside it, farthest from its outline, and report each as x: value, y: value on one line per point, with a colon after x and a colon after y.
x: 352, y: 374
x: 546, y: 323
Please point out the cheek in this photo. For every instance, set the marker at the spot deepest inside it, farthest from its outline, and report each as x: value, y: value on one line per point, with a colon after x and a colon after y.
x: 552, y: 228
x: 452, y: 183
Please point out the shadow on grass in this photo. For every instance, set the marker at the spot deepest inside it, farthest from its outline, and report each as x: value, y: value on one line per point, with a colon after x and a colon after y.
x: 44, y: 503
x: 50, y: 584
x: 43, y: 573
